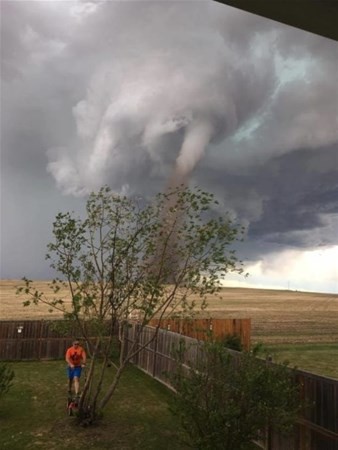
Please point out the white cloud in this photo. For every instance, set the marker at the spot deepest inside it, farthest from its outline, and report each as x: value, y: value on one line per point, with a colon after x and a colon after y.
x: 309, y: 270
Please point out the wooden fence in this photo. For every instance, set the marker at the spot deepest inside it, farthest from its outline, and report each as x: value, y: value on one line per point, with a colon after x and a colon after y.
x: 317, y: 429
x: 201, y: 328
x: 46, y: 339
x: 36, y: 339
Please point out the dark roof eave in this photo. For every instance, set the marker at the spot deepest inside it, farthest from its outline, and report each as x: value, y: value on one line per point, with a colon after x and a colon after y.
x: 316, y: 16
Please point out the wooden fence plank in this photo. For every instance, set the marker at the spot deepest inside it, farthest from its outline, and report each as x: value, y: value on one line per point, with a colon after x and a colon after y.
x: 201, y: 328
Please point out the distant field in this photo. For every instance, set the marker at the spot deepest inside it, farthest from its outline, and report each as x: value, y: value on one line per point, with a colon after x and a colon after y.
x: 11, y: 306
x: 281, y: 317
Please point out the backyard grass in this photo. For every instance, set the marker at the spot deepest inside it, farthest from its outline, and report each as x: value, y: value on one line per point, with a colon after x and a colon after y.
x: 33, y: 413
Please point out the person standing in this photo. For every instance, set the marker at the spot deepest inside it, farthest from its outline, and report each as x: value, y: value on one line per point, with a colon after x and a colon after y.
x: 76, y: 360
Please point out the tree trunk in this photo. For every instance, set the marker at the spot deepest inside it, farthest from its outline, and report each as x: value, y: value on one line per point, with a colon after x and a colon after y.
x: 112, y: 388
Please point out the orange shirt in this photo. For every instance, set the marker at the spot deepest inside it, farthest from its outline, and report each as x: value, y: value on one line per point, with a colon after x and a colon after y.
x: 75, y: 355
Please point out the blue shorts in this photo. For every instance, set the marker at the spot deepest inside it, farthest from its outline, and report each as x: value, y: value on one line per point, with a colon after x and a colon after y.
x: 75, y: 372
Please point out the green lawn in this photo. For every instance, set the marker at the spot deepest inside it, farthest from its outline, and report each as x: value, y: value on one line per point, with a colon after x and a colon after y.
x: 320, y: 359
x: 33, y: 414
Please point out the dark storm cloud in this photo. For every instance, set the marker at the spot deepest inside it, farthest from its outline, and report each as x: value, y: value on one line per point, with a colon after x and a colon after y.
x: 289, y: 199
x: 301, y: 194
x: 126, y: 93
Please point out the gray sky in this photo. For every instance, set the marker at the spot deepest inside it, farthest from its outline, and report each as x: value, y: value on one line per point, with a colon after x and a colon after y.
x: 130, y: 93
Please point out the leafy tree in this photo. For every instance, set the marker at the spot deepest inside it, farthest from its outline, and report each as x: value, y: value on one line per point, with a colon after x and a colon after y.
x: 127, y: 258
x: 228, y: 399
x: 6, y: 378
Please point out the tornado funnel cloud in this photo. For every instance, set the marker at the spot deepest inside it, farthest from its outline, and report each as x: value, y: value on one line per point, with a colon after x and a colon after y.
x: 197, y: 137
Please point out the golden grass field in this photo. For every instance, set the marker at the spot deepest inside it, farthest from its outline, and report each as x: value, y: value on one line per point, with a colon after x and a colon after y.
x: 276, y: 316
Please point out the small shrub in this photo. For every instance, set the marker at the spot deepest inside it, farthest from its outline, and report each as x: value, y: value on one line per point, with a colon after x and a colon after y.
x: 227, y: 400
x: 233, y: 341
x: 6, y: 378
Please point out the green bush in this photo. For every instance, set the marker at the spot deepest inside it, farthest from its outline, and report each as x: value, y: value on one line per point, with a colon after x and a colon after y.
x: 6, y: 378
x: 233, y: 341
x: 229, y: 399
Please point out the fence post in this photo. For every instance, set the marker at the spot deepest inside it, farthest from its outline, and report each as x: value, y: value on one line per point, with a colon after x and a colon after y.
x: 155, y: 357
